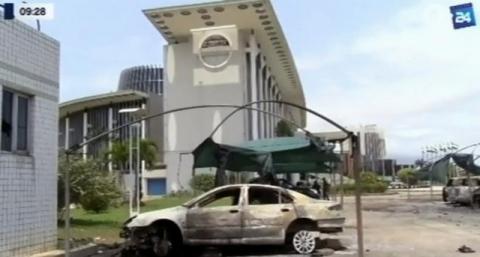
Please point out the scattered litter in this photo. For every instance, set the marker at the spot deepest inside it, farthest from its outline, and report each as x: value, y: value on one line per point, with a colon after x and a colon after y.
x: 465, y: 249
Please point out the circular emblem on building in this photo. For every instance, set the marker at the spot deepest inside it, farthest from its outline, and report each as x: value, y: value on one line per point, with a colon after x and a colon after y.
x: 215, y: 51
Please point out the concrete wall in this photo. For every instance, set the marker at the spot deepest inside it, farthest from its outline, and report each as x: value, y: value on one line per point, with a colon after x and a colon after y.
x: 154, y: 127
x: 185, y: 130
x: 29, y: 64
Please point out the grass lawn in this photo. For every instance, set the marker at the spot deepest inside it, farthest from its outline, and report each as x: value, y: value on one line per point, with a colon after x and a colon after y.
x: 106, y: 226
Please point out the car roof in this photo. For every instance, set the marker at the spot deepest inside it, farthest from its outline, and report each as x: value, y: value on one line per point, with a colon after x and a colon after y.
x: 248, y: 185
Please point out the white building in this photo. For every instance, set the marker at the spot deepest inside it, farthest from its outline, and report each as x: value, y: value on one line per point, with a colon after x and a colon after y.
x: 224, y: 52
x: 29, y: 81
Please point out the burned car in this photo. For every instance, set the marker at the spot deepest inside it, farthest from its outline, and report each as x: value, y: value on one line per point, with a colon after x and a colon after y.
x: 243, y: 214
x: 458, y: 190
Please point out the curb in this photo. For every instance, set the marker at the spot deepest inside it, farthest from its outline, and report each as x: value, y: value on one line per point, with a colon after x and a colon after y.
x: 81, y: 251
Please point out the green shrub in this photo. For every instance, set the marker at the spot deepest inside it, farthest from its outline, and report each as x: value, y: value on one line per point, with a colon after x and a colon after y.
x: 408, y: 176
x: 202, y: 182
x: 369, y: 183
x: 90, y: 185
x: 100, y: 194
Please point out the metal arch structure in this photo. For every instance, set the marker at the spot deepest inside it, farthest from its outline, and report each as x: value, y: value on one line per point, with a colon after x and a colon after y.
x: 71, y: 151
x: 76, y: 147
x: 321, y: 116
x: 355, y: 151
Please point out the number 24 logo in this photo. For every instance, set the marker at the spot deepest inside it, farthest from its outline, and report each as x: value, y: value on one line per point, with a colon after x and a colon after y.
x: 462, y: 17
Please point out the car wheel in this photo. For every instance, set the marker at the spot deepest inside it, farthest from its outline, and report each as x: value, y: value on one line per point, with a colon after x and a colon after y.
x: 304, y: 241
x: 444, y: 196
x: 166, y: 242
x: 476, y: 202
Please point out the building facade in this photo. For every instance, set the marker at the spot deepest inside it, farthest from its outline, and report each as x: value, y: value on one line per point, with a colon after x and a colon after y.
x: 373, y: 147
x: 226, y: 52
x: 29, y: 86
x: 147, y: 79
x: 140, y: 88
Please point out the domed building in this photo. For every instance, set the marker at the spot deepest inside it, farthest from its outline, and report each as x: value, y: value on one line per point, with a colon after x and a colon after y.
x: 147, y: 79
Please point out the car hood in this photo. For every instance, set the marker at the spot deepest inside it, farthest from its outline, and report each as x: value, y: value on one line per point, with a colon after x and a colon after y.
x: 175, y: 214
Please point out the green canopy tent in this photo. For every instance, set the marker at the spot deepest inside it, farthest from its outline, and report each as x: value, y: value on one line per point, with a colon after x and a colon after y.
x: 296, y: 154
x: 438, y: 171
x: 466, y: 162
x: 276, y: 155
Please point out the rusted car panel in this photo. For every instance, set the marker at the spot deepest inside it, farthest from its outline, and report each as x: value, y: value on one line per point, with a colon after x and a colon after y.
x: 235, y: 214
x: 262, y: 222
x: 220, y: 222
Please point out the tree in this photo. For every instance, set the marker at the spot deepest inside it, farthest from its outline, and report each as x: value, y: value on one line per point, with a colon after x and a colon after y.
x: 148, y: 152
x: 119, y: 154
x: 283, y: 129
x: 90, y: 185
x: 408, y: 176
x: 202, y: 182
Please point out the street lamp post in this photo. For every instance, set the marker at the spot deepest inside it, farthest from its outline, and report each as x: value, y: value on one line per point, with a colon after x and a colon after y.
x: 135, y: 133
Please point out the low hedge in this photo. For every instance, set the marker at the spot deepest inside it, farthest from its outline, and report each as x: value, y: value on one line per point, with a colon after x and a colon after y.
x: 366, y: 188
x: 369, y: 183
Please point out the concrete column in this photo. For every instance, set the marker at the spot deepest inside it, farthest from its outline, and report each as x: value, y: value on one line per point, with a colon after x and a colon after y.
x: 143, y: 168
x: 253, y: 83
x: 110, y: 143
x: 262, y: 97
x: 67, y: 132
x: 85, y: 133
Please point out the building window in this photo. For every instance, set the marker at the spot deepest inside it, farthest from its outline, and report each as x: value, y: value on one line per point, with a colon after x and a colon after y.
x: 7, y: 120
x: 15, y: 111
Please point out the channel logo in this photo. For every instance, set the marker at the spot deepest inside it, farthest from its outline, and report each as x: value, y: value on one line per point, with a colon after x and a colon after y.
x: 8, y: 11
x: 463, y: 16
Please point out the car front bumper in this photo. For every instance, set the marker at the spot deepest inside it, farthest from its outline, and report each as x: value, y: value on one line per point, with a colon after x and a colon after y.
x: 332, y: 225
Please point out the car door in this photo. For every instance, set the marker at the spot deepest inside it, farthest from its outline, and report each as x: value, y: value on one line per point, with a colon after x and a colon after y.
x: 267, y: 213
x: 216, y: 218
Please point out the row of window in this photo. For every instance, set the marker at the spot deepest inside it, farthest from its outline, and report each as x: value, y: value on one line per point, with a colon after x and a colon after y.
x: 265, y: 89
x: 256, y: 196
x: 15, y: 112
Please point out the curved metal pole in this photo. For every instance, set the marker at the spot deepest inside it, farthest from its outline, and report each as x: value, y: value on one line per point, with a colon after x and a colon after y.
x: 355, y: 151
x: 94, y: 138
x: 325, y: 118
x: 354, y: 145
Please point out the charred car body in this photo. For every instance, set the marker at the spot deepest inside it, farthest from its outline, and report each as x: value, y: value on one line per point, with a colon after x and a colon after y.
x: 459, y: 191
x: 244, y: 214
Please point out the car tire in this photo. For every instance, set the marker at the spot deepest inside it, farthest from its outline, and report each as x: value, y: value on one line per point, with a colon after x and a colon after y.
x: 167, y: 242
x: 444, y: 196
x: 476, y: 202
x: 303, y: 241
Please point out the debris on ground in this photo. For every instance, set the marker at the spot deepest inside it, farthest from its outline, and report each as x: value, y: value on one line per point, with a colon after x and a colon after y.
x: 465, y: 249
x: 323, y: 252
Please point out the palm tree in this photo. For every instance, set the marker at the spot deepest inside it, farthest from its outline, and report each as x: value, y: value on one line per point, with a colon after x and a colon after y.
x: 119, y: 154
x: 148, y: 152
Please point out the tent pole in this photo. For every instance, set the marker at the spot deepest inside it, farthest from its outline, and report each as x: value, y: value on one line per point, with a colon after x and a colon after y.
x: 342, y: 173
x: 358, y: 199
x: 431, y: 182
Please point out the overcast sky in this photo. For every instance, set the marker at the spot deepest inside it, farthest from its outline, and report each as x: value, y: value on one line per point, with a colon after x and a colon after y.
x: 398, y: 63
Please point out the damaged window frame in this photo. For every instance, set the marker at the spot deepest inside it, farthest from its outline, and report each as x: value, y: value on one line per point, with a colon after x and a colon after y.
x: 203, y: 200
